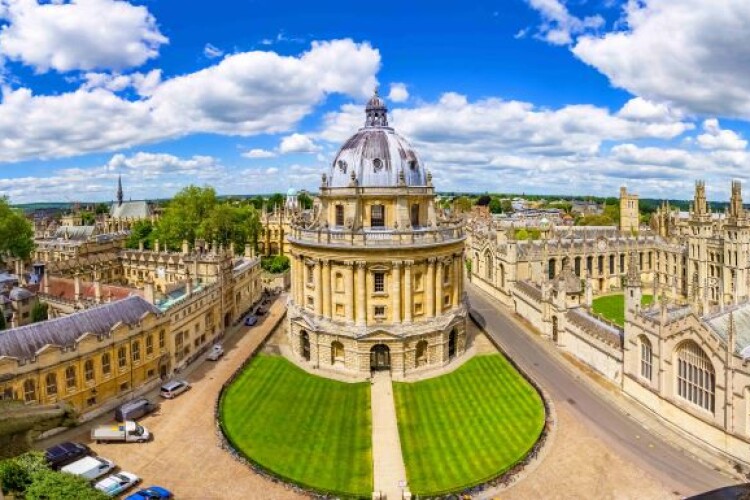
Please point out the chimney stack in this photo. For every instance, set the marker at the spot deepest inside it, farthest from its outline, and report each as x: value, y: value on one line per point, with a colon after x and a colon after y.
x: 77, y: 287
x: 185, y: 247
x: 148, y: 291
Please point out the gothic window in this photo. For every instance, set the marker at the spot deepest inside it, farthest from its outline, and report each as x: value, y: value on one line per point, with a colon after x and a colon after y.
x: 379, y: 282
x: 29, y: 390
x: 70, y: 377
x: 339, y: 215
x: 488, y: 266
x: 377, y: 216
x: 51, y: 381
x: 577, y: 266
x: 622, y: 262
x: 551, y: 268
x: 696, y: 381
x: 589, y: 264
x: 600, y: 264
x: 646, y: 357
x: 88, y: 370
x: 611, y: 264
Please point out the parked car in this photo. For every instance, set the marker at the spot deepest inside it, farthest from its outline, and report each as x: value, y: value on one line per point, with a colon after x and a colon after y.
x: 117, y: 483
x: 128, y: 432
x: 261, y: 311
x: 65, y: 453
x: 173, y: 388
x: 150, y: 493
x: 89, y: 468
x: 251, y: 320
x: 133, y: 410
x: 215, y: 353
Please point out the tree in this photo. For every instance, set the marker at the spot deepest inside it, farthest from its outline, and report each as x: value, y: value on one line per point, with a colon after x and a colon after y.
x: 48, y: 484
x: 305, y: 201
x: 462, y: 204
x: 16, y: 233
x: 17, y: 474
x: 184, y: 215
x: 39, y: 312
x: 228, y: 224
x: 276, y: 264
x: 483, y: 200
x: 507, y: 206
x: 496, y: 207
x: 101, y: 208
x: 276, y: 199
x: 142, y: 230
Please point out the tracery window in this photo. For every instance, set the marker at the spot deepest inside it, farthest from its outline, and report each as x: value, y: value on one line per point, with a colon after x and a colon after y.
x: 696, y: 380
x: 646, y: 358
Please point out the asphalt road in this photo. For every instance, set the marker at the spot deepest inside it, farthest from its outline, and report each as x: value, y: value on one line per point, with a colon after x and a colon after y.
x: 626, y: 435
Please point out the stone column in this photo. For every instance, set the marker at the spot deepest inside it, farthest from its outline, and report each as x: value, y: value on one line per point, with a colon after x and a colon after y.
x: 349, y: 290
x: 408, y: 292
x: 439, y: 288
x: 301, y: 281
x: 318, y: 287
x: 396, y: 291
x: 457, y: 280
x: 327, y: 288
x: 361, y: 294
x: 429, y: 287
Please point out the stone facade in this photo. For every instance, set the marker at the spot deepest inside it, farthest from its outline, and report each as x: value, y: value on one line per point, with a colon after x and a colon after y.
x: 377, y: 273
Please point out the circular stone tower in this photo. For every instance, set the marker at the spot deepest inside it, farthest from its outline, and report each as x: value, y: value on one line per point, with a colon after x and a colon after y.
x: 377, y: 273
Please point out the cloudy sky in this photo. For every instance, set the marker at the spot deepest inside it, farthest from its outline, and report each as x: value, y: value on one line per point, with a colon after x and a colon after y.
x: 535, y: 96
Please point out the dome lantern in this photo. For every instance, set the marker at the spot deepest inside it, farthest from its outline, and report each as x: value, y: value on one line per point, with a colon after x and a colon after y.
x: 376, y: 112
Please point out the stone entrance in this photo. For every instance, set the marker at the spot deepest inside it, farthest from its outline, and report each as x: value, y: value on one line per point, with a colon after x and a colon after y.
x: 380, y: 358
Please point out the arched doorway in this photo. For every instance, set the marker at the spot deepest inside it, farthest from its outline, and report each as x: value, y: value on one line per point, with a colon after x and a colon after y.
x: 380, y: 357
x: 337, y: 352
x: 452, y: 341
x: 554, y: 329
x: 305, y: 345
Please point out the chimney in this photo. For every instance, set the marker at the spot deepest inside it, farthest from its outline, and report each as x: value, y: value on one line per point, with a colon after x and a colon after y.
x: 156, y: 246
x: 19, y: 271
x: 140, y: 245
x: 231, y: 248
x: 247, y: 251
x: 189, y: 286
x: 45, y: 283
x: 185, y: 247
x: 77, y: 287
x: 148, y: 291
x: 98, y: 291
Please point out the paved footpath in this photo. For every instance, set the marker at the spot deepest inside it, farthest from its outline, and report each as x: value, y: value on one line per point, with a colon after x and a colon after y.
x: 184, y: 455
x: 388, y: 461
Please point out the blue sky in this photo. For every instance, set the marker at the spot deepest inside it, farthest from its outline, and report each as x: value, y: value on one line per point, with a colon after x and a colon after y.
x: 536, y: 96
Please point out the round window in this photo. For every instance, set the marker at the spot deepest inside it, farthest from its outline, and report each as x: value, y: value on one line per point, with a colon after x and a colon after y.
x: 377, y: 163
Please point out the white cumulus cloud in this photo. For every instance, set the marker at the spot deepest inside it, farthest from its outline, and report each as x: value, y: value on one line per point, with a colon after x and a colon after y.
x: 559, y: 26
x: 714, y: 137
x: 78, y: 34
x: 297, y: 143
x: 258, y: 153
x: 398, y: 92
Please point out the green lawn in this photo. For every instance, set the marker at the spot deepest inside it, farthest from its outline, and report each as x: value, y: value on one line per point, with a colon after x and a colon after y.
x: 463, y: 428
x: 311, y: 430
x: 612, y: 307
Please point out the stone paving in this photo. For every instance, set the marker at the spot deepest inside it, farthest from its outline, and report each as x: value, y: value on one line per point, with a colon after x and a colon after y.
x: 184, y: 455
x: 389, y: 470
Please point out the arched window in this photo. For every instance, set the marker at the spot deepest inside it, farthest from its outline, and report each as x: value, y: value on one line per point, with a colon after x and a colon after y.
x: 51, y: 381
x: 501, y: 269
x: 149, y: 345
x: 551, y: 268
x: 88, y: 370
x: 337, y: 352
x: 29, y: 390
x: 646, y: 357
x: 696, y: 381
x: 488, y: 263
x: 339, y: 282
x: 421, y: 355
x: 137, y: 351
x: 122, y: 357
x: 70, y: 377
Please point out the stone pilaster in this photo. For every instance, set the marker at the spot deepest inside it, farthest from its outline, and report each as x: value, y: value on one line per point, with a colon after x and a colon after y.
x: 361, y: 294
x: 430, y: 286
x: 456, y: 263
x: 327, y: 288
x: 396, y: 291
x: 349, y: 290
x: 439, y: 288
x: 318, y: 287
x: 408, y: 292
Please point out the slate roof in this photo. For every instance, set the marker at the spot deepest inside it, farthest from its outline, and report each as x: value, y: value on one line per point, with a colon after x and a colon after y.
x: 74, y: 232
x: 24, y: 342
x: 130, y: 210
x: 719, y: 323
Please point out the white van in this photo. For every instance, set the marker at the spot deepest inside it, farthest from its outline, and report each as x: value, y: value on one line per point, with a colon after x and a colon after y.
x: 89, y: 468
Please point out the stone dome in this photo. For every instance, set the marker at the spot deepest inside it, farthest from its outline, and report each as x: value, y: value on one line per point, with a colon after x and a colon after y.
x: 291, y: 192
x: 376, y: 156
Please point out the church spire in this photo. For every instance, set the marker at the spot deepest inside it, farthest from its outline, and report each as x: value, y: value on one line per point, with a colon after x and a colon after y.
x: 735, y: 204
x: 119, y: 191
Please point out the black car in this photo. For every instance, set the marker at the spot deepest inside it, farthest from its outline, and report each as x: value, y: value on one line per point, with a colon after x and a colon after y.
x: 64, y: 453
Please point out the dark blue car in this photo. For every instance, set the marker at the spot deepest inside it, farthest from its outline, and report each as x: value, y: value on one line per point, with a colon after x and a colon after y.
x: 150, y: 493
x: 251, y: 320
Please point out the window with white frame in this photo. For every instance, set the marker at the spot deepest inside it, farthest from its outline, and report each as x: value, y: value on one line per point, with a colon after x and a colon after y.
x: 646, y: 358
x: 379, y: 282
x: 696, y: 380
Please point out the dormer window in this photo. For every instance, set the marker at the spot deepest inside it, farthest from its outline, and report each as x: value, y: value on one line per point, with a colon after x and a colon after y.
x: 342, y: 165
x: 413, y: 164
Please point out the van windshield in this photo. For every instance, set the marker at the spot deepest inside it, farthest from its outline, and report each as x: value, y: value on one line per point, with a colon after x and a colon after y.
x: 138, y: 430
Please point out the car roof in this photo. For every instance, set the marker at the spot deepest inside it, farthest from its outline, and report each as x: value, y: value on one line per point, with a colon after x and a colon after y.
x: 173, y: 384
x: 62, y: 447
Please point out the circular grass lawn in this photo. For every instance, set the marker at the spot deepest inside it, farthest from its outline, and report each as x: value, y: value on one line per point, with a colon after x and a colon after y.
x: 307, y: 430
x: 467, y: 427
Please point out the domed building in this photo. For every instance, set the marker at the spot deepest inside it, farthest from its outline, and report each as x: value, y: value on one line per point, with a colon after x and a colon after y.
x: 377, y: 274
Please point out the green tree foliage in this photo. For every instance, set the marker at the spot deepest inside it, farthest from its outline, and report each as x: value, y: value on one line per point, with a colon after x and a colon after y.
x: 276, y: 264
x: 227, y: 224
x: 462, y: 204
x: 17, y: 474
x: 88, y: 218
x: 257, y: 202
x: 184, y: 215
x: 507, y: 206
x: 495, y: 206
x: 39, y: 312
x: 483, y: 200
x: 594, y: 220
x: 142, y: 230
x: 612, y: 210
x: 101, y: 208
x: 49, y: 485
x: 16, y: 233
x: 528, y: 234
x: 275, y: 200
x: 305, y: 201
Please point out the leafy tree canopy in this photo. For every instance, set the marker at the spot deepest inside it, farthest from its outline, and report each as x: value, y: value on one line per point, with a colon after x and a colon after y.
x: 39, y: 312
x: 49, y: 484
x: 142, y: 230
x: 16, y: 233
x: 305, y: 201
x: 276, y: 264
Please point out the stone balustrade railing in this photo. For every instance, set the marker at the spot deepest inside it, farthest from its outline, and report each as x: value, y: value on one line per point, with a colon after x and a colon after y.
x: 378, y: 238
